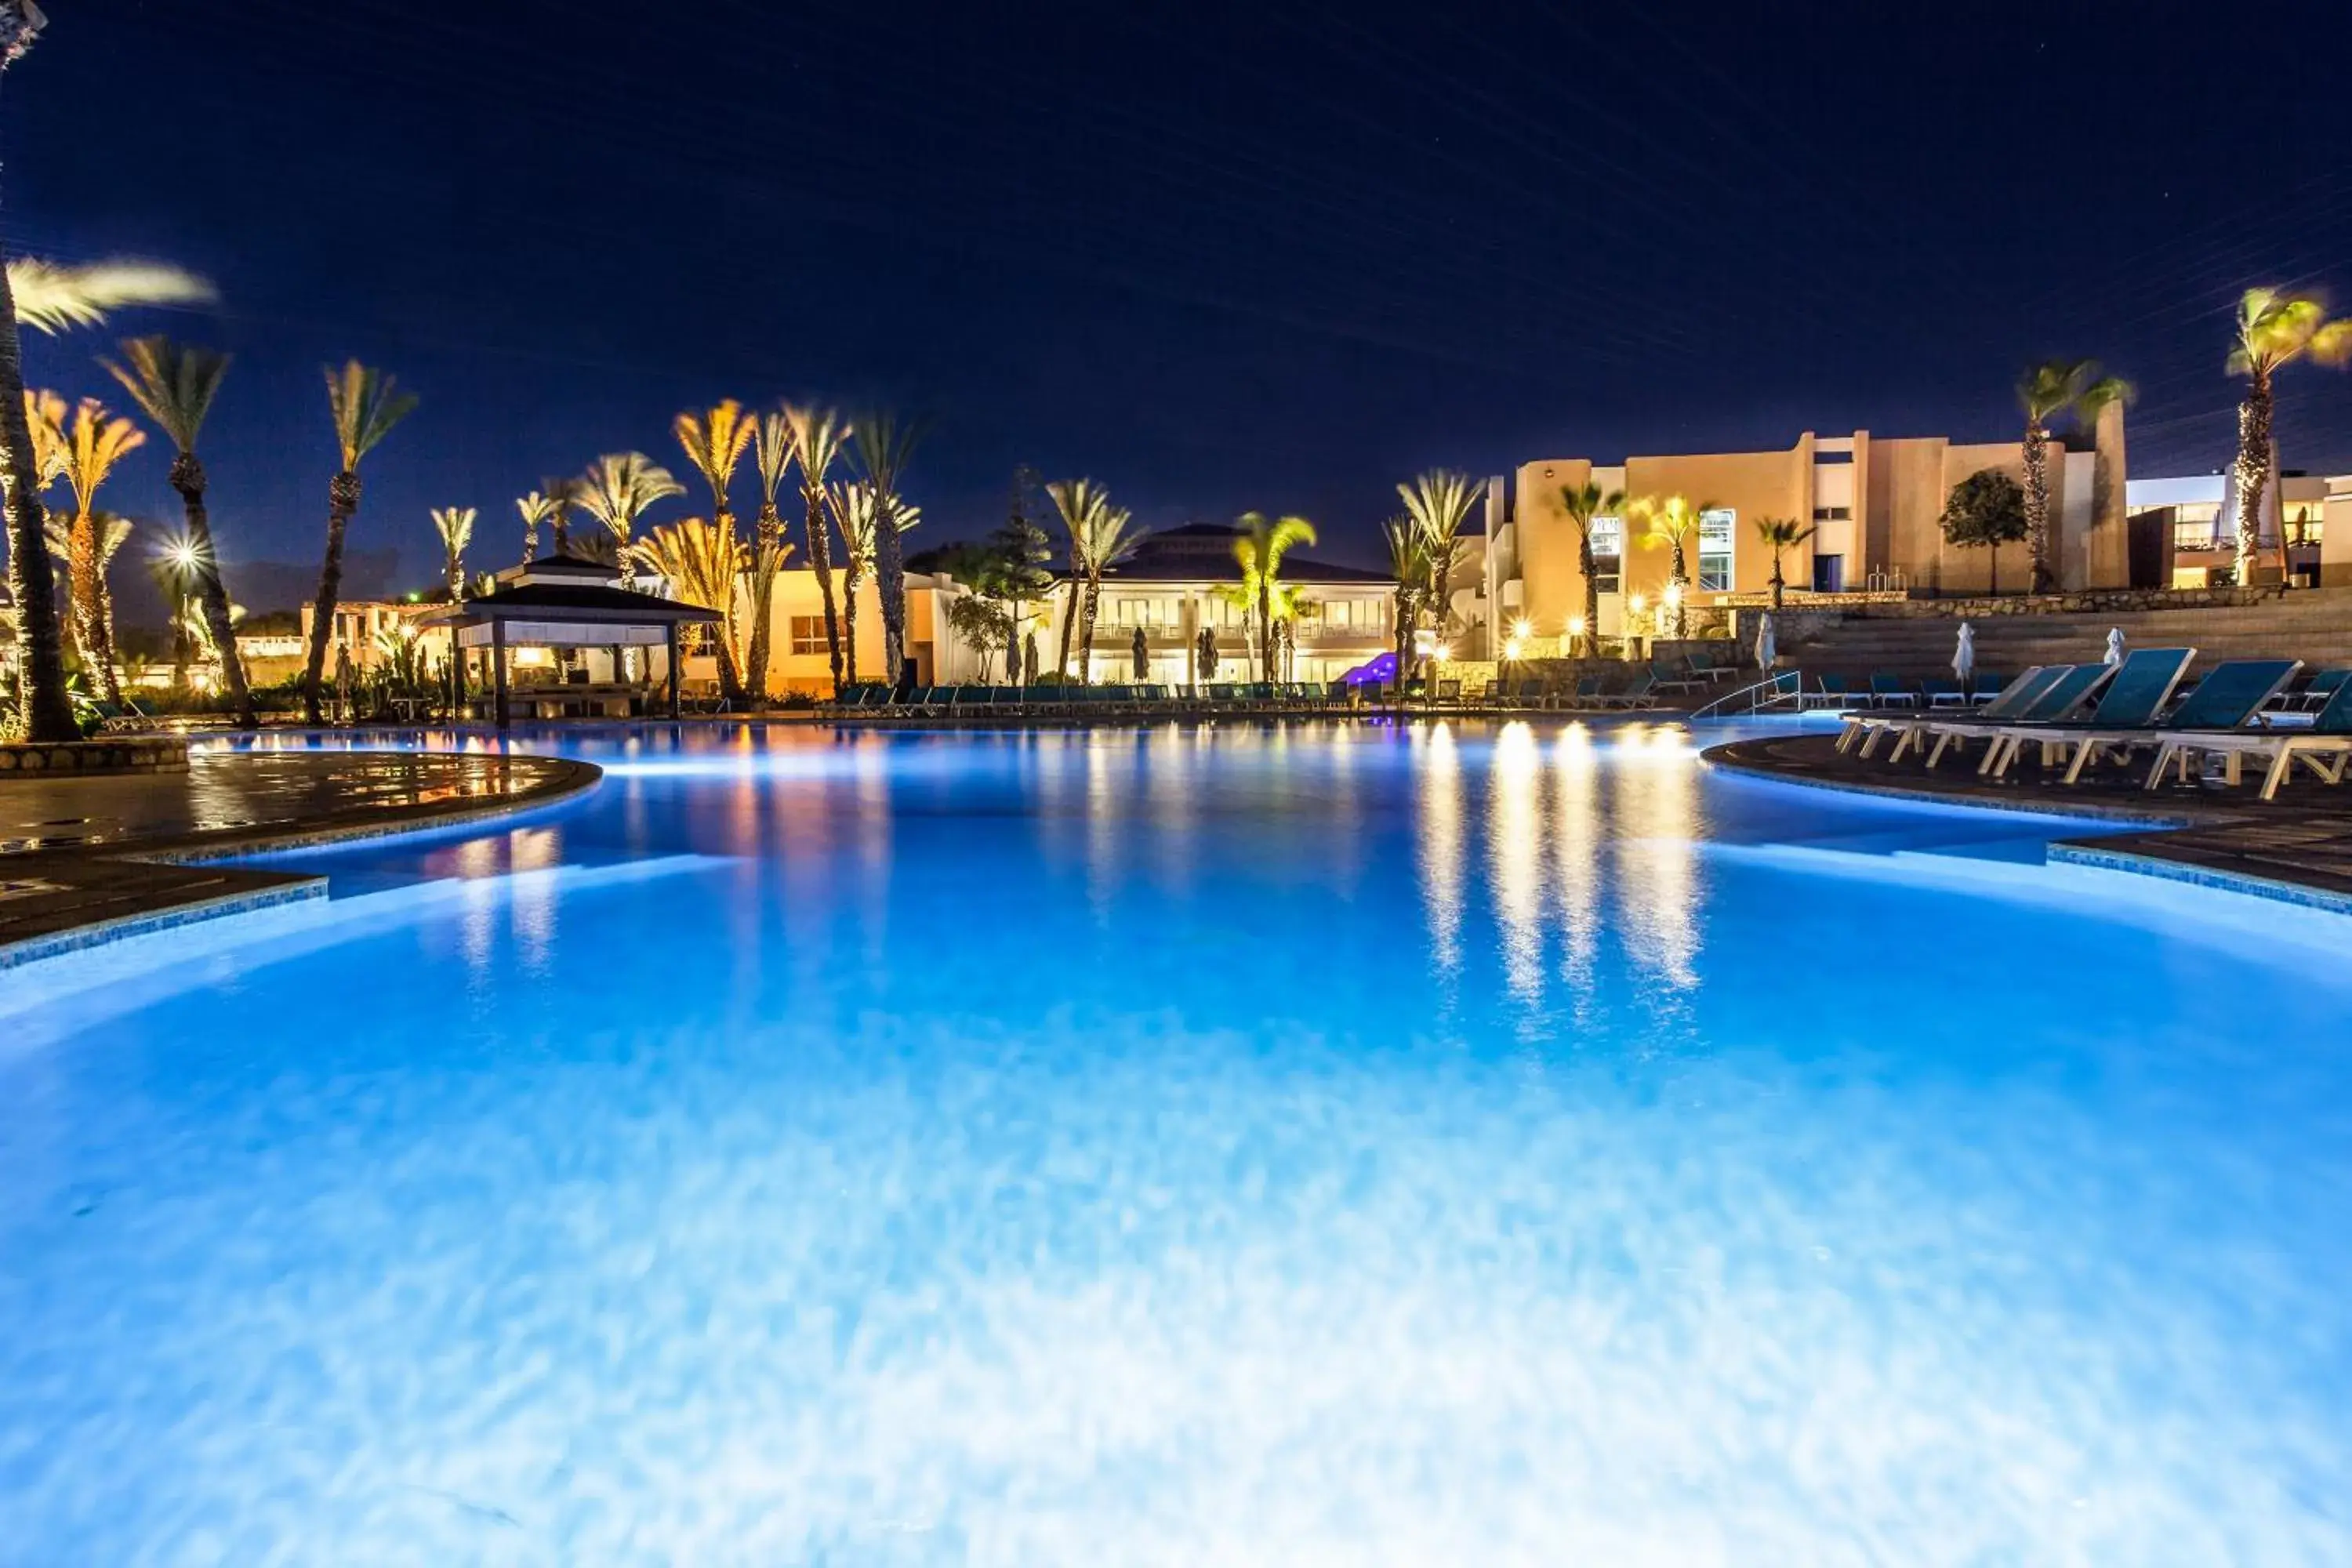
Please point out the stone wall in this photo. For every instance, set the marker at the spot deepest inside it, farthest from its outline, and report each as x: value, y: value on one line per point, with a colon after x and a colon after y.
x: 126, y: 755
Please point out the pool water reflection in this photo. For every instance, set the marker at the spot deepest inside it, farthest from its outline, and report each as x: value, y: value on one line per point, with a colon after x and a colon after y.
x: 1501, y: 1143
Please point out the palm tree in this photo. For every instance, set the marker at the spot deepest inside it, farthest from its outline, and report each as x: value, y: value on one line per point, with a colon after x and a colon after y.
x: 1668, y: 524
x: 2275, y: 328
x: 1260, y: 549
x: 856, y: 510
x: 563, y: 493
x: 2047, y: 392
x: 885, y: 445
x: 175, y: 383
x: 818, y: 435
x: 1081, y: 503
x: 364, y: 404
x: 455, y: 524
x: 1585, y: 504
x: 1108, y: 543
x: 94, y: 445
x: 1439, y: 502
x: 535, y: 509
x: 618, y: 490
x: 1409, y: 564
x: 1781, y: 534
x: 47, y: 296
x: 701, y: 562
x: 772, y: 457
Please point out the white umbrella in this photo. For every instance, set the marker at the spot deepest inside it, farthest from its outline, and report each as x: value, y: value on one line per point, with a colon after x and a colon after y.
x: 1768, y: 648
x: 2114, y: 645
x: 1963, y: 655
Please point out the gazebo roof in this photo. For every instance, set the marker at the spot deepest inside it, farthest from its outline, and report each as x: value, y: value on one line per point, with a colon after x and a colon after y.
x: 572, y: 601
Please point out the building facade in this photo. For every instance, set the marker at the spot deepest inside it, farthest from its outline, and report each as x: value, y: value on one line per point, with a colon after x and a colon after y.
x: 1874, y: 504
x: 2184, y: 530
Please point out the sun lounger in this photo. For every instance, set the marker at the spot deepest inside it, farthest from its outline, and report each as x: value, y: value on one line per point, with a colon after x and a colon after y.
x: 1912, y: 731
x: 1888, y: 691
x: 1641, y: 693
x: 2322, y: 689
x: 2215, y: 719
x: 2022, y: 698
x: 2325, y: 748
x: 1664, y: 676
x: 2140, y: 688
x: 1833, y: 691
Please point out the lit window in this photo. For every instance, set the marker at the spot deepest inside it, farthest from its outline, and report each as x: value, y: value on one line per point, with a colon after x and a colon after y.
x: 808, y: 635
x: 1607, y: 551
x: 1715, y: 531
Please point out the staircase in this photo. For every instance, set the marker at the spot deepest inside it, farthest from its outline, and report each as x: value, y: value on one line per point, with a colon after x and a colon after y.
x: 2315, y: 627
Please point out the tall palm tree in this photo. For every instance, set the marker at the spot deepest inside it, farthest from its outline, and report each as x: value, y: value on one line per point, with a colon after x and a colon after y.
x: 1439, y: 503
x: 884, y: 447
x: 2047, y: 393
x: 455, y: 524
x: 2275, y: 328
x: 1081, y: 503
x: 772, y: 458
x: 365, y: 404
x: 1260, y: 549
x: 94, y: 444
x: 533, y: 509
x: 1669, y: 524
x: 818, y: 435
x: 1409, y: 564
x: 856, y: 510
x: 1584, y: 504
x: 1108, y: 543
x: 714, y: 442
x: 618, y: 490
x: 1779, y: 535
x: 175, y: 383
x: 701, y: 562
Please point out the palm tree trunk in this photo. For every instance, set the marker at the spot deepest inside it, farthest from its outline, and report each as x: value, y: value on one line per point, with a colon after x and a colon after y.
x: 821, y: 557
x: 1070, y: 622
x: 766, y: 555
x: 86, y: 594
x: 1403, y: 636
x: 342, y: 500
x: 852, y: 575
x: 1266, y: 623
x: 1087, y: 633
x: 188, y: 479
x: 1777, y: 582
x: 1592, y: 593
x: 2037, y: 505
x: 44, y: 713
x: 890, y: 588
x: 1680, y: 580
x: 2254, y: 473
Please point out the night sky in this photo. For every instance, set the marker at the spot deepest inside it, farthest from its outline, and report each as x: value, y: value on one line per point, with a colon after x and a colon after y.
x: 1272, y: 256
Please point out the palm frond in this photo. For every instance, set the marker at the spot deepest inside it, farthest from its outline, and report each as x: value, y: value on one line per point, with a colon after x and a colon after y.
x: 1439, y: 502
x: 1081, y: 503
x: 883, y: 446
x: 365, y: 404
x: 455, y: 524
x: 94, y: 444
x: 620, y: 486
x: 818, y: 435
x: 535, y: 509
x: 45, y: 413
x: 51, y: 297
x: 714, y: 441
x: 772, y: 454
x: 175, y: 383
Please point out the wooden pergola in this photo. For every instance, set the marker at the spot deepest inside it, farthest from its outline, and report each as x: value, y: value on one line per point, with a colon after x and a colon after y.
x: 561, y: 602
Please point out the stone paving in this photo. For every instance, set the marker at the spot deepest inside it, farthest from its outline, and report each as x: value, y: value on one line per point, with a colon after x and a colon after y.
x: 2298, y: 848
x: 87, y: 858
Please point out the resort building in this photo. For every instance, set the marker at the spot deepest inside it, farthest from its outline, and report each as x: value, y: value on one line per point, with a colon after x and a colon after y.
x: 2184, y: 530
x: 1874, y: 504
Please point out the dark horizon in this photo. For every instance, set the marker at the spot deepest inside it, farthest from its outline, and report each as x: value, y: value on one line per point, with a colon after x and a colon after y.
x: 1219, y: 260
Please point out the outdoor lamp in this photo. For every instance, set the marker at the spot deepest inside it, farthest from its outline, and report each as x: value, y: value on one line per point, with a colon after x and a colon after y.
x: 1576, y: 625
x: 1522, y: 629
x: 1637, y: 604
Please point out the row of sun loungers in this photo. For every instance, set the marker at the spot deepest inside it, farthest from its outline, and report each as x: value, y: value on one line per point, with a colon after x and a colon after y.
x: 2076, y: 718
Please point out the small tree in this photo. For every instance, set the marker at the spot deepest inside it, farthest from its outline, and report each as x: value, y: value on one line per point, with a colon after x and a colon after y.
x: 983, y: 625
x: 1986, y: 508
x: 1781, y: 534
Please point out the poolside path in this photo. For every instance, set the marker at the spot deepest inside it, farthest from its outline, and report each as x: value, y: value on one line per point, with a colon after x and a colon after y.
x: 2297, y: 849
x: 85, y: 859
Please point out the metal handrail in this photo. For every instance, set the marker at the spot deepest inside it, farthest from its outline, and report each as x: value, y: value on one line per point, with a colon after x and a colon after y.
x: 1787, y: 685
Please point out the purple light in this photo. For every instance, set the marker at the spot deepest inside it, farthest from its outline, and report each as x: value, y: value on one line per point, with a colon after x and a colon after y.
x: 1378, y: 671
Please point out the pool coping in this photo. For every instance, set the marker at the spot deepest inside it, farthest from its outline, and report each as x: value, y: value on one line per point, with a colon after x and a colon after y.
x: 167, y: 892
x: 2208, y: 844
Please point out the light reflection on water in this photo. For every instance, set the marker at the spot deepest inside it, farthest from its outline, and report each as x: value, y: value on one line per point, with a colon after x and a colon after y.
x: 1457, y: 1144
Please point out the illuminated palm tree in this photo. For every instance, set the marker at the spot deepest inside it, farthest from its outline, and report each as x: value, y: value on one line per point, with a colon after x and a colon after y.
x: 1409, y: 565
x: 818, y: 435
x: 772, y: 458
x: 1263, y: 542
x: 48, y: 296
x: 1081, y: 503
x: 533, y: 509
x: 856, y: 510
x: 1110, y: 542
x: 175, y: 383
x: 1781, y: 534
x: 701, y: 562
x: 1669, y: 524
x: 94, y: 444
x: 884, y: 447
x: 619, y: 489
x: 365, y: 404
x: 1585, y: 504
x: 1439, y: 502
x: 455, y: 524
x: 2275, y: 328
x: 2048, y: 391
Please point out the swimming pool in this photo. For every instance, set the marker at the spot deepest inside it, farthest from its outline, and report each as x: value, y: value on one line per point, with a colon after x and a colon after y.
x: 1475, y: 1144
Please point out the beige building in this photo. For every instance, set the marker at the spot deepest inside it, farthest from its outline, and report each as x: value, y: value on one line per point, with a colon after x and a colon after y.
x: 2184, y: 530
x: 1874, y: 504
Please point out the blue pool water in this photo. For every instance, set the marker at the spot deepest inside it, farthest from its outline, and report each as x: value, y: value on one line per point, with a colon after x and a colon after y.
x: 1482, y: 1144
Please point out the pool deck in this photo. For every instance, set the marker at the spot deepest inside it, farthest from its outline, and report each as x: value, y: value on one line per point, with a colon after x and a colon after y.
x: 88, y: 859
x: 2297, y: 849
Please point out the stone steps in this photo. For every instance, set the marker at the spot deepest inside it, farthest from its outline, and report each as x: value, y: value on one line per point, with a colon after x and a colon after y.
x: 2316, y: 628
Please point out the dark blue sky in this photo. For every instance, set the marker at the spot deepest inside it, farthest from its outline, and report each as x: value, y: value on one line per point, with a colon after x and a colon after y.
x: 1269, y: 256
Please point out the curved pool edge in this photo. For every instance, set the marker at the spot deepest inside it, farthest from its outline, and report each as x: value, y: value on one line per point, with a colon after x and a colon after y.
x: 2200, y: 847
x: 138, y: 889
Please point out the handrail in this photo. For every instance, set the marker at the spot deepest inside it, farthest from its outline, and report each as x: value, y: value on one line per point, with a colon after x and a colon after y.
x: 1786, y: 685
